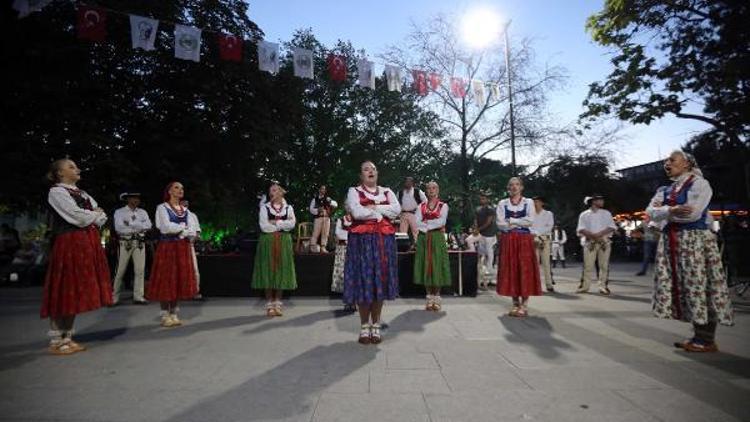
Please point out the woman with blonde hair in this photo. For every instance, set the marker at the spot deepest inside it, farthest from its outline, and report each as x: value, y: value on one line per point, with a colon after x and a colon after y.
x: 519, y: 268
x: 274, y: 259
x: 77, y: 279
x: 431, y: 265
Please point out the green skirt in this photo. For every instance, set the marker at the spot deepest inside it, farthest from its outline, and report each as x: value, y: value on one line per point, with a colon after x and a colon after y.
x: 274, y: 273
x: 440, y: 274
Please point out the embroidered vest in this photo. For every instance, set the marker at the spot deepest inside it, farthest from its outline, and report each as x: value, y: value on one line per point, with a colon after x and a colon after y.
x: 372, y: 226
x: 58, y: 225
x: 680, y: 198
x: 517, y: 214
x: 176, y: 219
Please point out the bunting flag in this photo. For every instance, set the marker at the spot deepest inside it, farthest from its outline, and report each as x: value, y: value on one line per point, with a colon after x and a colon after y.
x: 187, y: 42
x: 366, y: 72
x: 230, y: 47
x: 478, y: 88
x: 495, y: 91
x: 268, y: 57
x: 143, y: 32
x: 92, y: 23
x: 27, y: 7
x: 420, y: 81
x: 303, y: 63
x: 435, y: 80
x: 458, y: 87
x: 393, y: 76
x: 337, y: 67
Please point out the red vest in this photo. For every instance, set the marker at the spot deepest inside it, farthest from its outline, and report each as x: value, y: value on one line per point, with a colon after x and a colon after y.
x: 383, y: 226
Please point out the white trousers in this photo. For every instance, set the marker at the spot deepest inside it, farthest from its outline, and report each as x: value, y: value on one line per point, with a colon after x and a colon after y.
x: 486, y: 255
x: 409, y: 222
x: 321, y: 230
x: 558, y: 251
x: 596, y: 252
x: 139, y: 262
x: 543, y: 256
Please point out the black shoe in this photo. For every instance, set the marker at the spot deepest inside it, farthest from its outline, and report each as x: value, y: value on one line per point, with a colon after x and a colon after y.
x: 551, y: 289
x: 113, y: 304
x: 140, y: 302
x: 199, y: 298
x: 640, y: 273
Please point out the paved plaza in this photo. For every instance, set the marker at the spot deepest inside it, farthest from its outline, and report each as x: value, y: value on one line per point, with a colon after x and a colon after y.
x: 576, y: 358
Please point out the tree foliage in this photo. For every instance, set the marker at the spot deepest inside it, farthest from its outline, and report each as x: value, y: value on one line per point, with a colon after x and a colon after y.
x: 686, y: 58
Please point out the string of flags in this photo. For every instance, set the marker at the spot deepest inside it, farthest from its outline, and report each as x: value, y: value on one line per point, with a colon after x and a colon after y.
x: 91, y: 25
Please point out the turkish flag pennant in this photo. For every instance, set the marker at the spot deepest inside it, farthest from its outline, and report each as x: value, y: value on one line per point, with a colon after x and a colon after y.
x: 92, y: 23
x: 420, y: 81
x: 230, y: 48
x: 458, y: 87
x: 435, y: 80
x: 337, y: 67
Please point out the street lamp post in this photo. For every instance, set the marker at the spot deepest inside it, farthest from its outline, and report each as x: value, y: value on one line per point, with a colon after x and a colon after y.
x: 510, y: 101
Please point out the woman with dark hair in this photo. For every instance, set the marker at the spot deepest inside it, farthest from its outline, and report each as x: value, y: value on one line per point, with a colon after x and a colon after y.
x: 371, y: 268
x: 519, y: 268
x: 689, y: 280
x: 172, y: 275
x: 77, y: 277
x: 274, y: 259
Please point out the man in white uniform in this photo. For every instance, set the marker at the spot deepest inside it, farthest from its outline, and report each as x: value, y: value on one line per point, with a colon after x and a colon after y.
x: 410, y: 197
x: 596, y: 226
x: 558, y: 246
x: 542, y: 230
x: 131, y: 225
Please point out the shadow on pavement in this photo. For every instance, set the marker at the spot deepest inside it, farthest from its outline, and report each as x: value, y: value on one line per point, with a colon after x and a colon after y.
x: 293, y: 386
x: 535, y: 332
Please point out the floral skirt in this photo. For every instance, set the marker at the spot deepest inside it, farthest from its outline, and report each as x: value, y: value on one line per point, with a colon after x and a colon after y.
x: 699, y: 292
x: 337, y: 280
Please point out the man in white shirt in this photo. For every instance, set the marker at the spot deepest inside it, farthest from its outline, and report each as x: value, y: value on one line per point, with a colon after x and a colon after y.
x: 321, y: 208
x: 596, y: 226
x: 542, y: 230
x: 131, y: 224
x: 410, y: 197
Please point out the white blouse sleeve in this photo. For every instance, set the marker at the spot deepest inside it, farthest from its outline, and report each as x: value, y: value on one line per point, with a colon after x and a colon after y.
x: 66, y: 206
x: 502, y: 223
x: 698, y: 197
x: 290, y: 222
x: 313, y: 210
x: 164, y: 225
x: 581, y: 224
x: 656, y: 209
x: 392, y: 209
x: 358, y: 211
x: 440, y: 221
x: 334, y: 204
x: 194, y: 225
x: 341, y: 234
x: 265, y: 225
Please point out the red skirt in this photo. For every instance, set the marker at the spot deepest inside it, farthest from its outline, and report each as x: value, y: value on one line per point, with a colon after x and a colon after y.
x: 519, y: 268
x: 77, y: 277
x: 172, y: 273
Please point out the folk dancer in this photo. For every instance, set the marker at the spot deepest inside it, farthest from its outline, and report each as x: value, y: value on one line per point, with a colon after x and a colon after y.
x: 131, y: 224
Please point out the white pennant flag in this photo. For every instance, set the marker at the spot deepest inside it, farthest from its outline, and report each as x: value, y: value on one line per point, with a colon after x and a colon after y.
x: 478, y: 88
x: 366, y: 72
x: 187, y: 43
x: 143, y: 32
x: 393, y: 76
x: 27, y: 7
x: 303, y: 63
x: 495, y: 90
x: 268, y: 57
